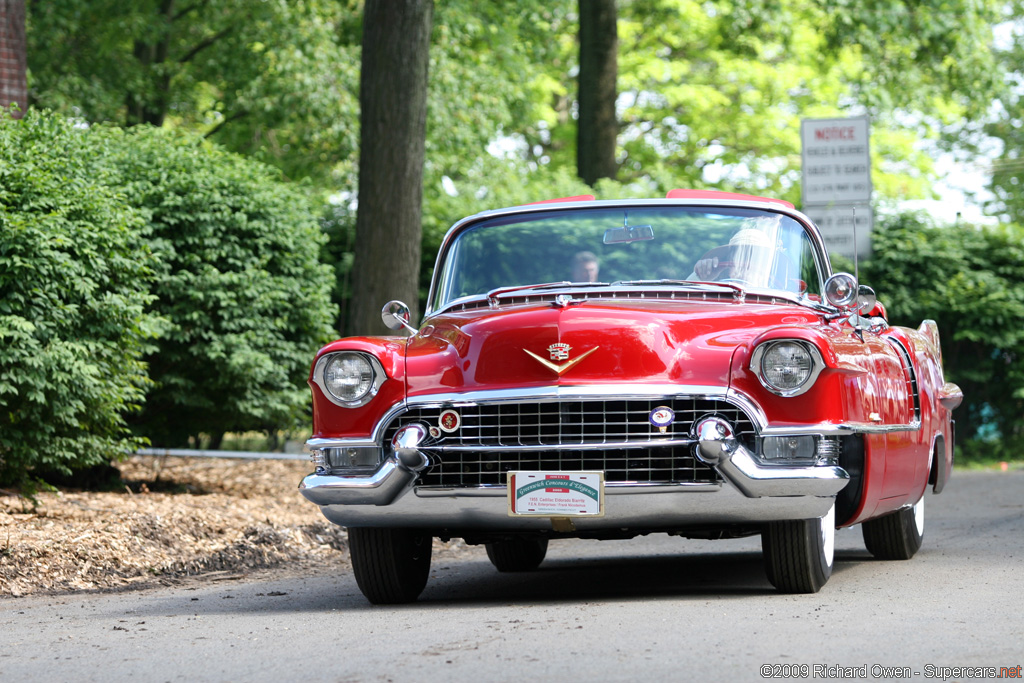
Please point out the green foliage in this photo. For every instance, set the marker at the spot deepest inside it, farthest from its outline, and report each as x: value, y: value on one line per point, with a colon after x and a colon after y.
x: 74, y: 290
x: 1007, y: 183
x: 238, y: 278
x: 971, y: 282
x: 277, y: 80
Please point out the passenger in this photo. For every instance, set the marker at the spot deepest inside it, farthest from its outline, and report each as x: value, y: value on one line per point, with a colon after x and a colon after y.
x: 747, y: 258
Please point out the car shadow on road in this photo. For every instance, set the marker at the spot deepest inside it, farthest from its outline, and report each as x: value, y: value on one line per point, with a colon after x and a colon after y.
x: 475, y: 583
x: 700, y: 575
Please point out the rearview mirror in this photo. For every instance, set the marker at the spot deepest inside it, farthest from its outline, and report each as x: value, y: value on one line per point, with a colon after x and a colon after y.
x: 628, y: 233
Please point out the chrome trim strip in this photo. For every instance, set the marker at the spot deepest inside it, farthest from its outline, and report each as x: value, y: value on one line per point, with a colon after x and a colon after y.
x: 318, y: 444
x: 603, y: 445
x: 548, y: 394
x: 557, y: 392
x: 750, y: 408
x: 830, y: 429
x: 612, y: 488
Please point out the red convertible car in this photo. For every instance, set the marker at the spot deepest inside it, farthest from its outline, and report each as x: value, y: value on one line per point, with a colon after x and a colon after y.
x: 606, y: 369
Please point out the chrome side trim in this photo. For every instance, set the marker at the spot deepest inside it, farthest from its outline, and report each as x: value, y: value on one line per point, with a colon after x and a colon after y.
x: 830, y: 429
x: 317, y: 444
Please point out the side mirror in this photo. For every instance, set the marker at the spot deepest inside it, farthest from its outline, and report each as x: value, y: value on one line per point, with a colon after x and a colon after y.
x: 842, y: 292
x: 866, y: 300
x: 396, y: 315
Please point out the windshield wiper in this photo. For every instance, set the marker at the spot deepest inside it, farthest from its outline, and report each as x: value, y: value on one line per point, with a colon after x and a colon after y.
x: 685, y: 283
x: 499, y: 291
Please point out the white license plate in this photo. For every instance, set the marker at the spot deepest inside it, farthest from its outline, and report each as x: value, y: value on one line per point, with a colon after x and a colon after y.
x: 556, y: 494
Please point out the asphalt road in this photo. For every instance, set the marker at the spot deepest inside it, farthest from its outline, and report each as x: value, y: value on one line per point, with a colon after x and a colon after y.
x: 657, y: 608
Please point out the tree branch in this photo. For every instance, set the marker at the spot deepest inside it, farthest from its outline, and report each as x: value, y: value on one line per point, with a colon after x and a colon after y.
x: 227, y: 119
x: 205, y: 44
x: 191, y: 8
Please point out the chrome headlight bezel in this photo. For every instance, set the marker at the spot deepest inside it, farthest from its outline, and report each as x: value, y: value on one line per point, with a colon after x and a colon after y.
x: 378, y: 378
x: 817, y: 365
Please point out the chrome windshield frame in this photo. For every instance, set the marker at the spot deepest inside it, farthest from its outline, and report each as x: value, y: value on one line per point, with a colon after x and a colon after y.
x: 822, y: 263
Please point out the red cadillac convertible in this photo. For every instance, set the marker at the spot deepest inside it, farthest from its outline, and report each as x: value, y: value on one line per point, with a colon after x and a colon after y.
x: 606, y: 369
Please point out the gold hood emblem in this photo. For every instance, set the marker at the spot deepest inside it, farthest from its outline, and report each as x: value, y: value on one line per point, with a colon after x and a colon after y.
x: 560, y: 352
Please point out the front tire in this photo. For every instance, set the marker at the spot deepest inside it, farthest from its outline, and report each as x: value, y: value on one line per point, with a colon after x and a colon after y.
x: 391, y: 565
x: 517, y: 554
x: 898, y: 535
x: 798, y: 554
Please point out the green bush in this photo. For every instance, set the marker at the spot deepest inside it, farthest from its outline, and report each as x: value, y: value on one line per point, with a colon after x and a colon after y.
x: 969, y: 280
x: 238, y: 279
x: 74, y: 287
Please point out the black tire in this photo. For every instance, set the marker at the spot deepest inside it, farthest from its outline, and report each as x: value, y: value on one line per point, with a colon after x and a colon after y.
x: 798, y: 554
x: 517, y: 554
x: 898, y: 535
x: 391, y: 565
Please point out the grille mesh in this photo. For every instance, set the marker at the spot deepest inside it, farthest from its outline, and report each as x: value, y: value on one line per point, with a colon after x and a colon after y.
x: 615, y: 437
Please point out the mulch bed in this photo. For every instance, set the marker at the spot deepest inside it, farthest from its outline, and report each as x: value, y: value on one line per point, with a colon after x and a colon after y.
x: 174, y: 518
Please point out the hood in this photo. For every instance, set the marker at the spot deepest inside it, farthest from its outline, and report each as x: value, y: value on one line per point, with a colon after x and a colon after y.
x: 589, y: 342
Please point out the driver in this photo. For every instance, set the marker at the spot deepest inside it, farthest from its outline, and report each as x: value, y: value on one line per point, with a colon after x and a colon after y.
x: 747, y: 258
x: 585, y: 267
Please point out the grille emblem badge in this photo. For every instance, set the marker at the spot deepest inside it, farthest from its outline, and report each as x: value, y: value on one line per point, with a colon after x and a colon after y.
x: 560, y: 351
x: 661, y: 417
x: 450, y: 421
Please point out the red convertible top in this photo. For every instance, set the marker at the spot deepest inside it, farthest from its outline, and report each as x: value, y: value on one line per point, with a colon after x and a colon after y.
x: 678, y: 194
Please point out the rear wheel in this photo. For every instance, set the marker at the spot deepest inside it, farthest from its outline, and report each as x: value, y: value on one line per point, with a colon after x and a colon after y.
x: 517, y: 554
x: 391, y: 565
x: 798, y: 554
x: 898, y: 535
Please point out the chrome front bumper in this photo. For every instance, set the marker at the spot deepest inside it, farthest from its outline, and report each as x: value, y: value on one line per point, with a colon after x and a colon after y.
x: 754, y: 492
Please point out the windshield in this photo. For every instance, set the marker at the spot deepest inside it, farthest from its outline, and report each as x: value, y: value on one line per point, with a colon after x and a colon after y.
x: 745, y: 247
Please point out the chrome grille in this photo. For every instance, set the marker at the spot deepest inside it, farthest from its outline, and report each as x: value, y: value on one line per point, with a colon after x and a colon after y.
x: 613, y: 436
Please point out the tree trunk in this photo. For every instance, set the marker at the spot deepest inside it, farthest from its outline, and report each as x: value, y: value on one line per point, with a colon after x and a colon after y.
x: 393, y: 121
x: 13, y: 83
x: 150, y: 106
x: 597, y: 128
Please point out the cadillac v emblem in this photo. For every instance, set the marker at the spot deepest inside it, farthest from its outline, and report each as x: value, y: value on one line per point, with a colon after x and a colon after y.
x: 558, y: 352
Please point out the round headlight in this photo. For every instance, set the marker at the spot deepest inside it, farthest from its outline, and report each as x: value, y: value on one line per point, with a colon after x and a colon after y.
x: 348, y: 376
x: 786, y: 365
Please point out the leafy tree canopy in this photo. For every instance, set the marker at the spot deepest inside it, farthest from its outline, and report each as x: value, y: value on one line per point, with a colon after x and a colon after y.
x: 276, y: 79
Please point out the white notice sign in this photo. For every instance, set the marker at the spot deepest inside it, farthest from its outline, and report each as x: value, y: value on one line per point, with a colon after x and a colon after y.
x: 836, y: 161
x: 837, y: 228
